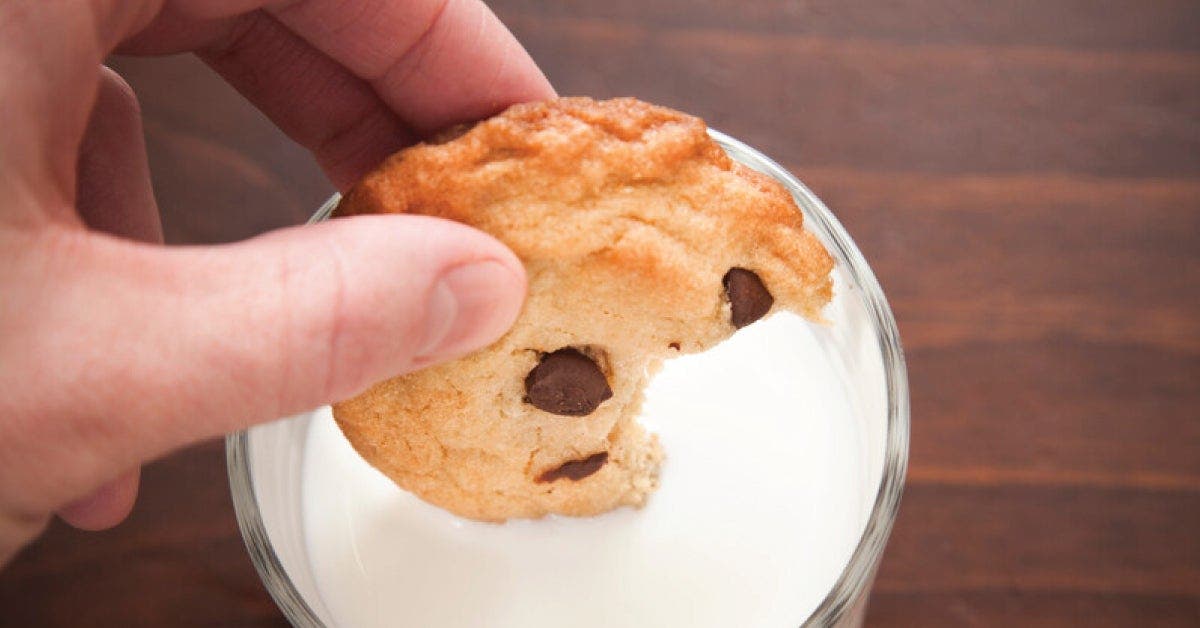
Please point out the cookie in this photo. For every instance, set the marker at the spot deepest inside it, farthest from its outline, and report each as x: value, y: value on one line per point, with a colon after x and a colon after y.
x: 642, y: 241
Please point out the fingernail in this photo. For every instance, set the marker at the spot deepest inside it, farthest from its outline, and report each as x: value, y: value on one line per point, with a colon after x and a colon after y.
x: 470, y: 306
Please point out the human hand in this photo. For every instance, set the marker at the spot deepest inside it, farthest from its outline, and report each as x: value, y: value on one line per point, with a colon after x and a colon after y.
x: 114, y: 349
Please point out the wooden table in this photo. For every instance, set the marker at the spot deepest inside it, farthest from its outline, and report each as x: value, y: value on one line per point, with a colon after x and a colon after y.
x: 1024, y: 177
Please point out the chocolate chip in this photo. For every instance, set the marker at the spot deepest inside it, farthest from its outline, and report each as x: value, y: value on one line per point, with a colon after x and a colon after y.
x: 576, y: 469
x: 748, y: 297
x: 566, y: 382
x: 674, y: 345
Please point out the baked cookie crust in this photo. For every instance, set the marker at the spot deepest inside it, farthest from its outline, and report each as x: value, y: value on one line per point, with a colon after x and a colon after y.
x: 642, y: 241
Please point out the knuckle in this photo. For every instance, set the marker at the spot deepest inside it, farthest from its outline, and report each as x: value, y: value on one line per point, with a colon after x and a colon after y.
x: 399, y: 70
x: 316, y: 323
x: 336, y: 326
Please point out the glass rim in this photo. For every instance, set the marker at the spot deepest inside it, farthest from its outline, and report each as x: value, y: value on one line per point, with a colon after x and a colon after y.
x: 859, y: 570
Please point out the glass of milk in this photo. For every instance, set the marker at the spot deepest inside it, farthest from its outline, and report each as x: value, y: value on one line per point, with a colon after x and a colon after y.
x: 786, y: 451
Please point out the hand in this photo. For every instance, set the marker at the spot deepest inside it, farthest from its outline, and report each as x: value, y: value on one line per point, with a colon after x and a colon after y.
x: 114, y: 349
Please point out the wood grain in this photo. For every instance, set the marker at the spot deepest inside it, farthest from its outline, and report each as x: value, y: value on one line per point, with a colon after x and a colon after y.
x: 177, y: 561
x: 925, y: 107
x: 1024, y: 177
x: 1032, y: 609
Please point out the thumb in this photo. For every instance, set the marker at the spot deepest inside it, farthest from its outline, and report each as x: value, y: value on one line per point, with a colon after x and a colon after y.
x: 158, y: 347
x: 312, y: 315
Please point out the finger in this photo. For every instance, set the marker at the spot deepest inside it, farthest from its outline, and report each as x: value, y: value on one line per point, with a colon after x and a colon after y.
x: 313, y: 99
x: 205, y: 340
x: 17, y: 529
x: 113, y: 195
x: 106, y: 506
x: 48, y: 81
x: 458, y: 63
x: 113, y: 191
x: 434, y: 62
x: 172, y: 32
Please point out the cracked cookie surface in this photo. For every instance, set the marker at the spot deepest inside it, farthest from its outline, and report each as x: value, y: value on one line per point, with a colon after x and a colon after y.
x: 636, y: 231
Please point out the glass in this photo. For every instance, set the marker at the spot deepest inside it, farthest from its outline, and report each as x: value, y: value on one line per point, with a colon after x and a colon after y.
x: 264, y: 462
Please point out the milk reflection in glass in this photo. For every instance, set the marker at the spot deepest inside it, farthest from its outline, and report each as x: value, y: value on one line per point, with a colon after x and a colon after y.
x: 763, y: 496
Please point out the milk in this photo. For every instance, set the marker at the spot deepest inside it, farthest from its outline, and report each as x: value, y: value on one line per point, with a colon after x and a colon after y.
x: 764, y: 494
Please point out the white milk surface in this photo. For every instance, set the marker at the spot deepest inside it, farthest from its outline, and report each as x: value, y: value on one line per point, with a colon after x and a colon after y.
x: 763, y: 497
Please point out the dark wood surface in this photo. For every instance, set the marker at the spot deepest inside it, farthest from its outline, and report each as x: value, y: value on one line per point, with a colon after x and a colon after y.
x: 1024, y: 176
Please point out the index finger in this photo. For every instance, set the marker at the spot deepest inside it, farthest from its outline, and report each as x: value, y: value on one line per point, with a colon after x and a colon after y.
x: 355, y: 81
x: 434, y: 62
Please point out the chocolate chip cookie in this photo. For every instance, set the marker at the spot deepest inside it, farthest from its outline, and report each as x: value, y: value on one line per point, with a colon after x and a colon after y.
x: 642, y: 241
